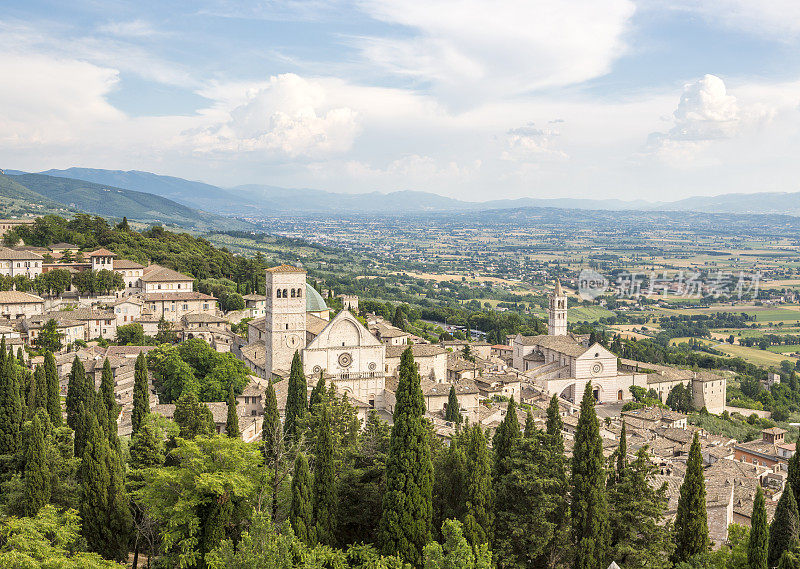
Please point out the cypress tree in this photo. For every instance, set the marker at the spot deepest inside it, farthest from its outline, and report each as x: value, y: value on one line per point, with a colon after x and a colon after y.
x: 76, y: 391
x: 28, y: 382
x: 478, y: 520
x: 232, y: 421
x: 37, y: 475
x: 109, y: 404
x: 21, y: 357
x: 453, y: 412
x: 104, y: 509
x: 554, y: 423
x: 324, y: 480
x: 758, y: 542
x: 11, y: 408
x: 141, y: 393
x: 405, y: 525
x: 691, y: 523
x: 53, y: 390
x: 793, y: 476
x: 784, y: 528
x: 622, y: 454
x: 301, y: 513
x: 317, y: 394
x: 530, y: 426
x: 296, y: 399
x: 590, y: 525
x: 40, y: 381
x: 83, y: 421
x: 504, y: 438
x: 271, y: 424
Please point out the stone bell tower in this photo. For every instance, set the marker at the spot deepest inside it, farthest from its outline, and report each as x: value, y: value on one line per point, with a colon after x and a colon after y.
x: 557, y: 312
x: 285, y: 318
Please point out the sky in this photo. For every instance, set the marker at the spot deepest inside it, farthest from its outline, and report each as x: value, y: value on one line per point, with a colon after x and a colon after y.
x: 478, y: 100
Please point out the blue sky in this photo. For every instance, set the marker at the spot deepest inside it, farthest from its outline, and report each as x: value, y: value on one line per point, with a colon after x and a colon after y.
x: 478, y: 100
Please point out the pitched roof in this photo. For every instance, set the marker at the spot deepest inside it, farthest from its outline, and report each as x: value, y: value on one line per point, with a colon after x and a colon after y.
x: 101, y: 253
x: 418, y: 350
x: 157, y: 273
x: 159, y: 296
x: 127, y: 264
x: 7, y: 254
x: 286, y: 269
x: 16, y: 297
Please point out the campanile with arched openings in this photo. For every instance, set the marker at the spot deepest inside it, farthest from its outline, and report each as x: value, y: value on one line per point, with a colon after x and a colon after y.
x: 285, y: 316
x: 557, y: 312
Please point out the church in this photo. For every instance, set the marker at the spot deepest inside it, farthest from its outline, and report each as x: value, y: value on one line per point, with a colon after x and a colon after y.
x: 562, y: 363
x: 296, y: 319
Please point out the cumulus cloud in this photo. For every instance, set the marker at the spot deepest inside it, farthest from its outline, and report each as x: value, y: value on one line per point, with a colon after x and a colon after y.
x: 706, y: 112
x: 499, y: 47
x: 288, y: 117
x: 529, y: 143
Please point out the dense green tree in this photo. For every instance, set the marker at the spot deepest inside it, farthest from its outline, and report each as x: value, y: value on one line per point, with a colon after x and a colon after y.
x: 399, y: 319
x: 39, y: 385
x: 296, y: 400
x: 406, y: 518
x: 621, y: 456
x: 77, y: 391
x: 639, y: 537
x: 361, y: 484
x: 147, y: 445
x: 758, y: 542
x: 131, y: 335
x: 53, y: 391
x: 141, y: 393
x: 301, y: 511
x: 173, y: 375
x: 232, y: 420
x: 504, y: 438
x: 49, y: 338
x: 165, y: 335
x: 324, y: 480
x: 680, y: 399
x: 456, y: 551
x: 37, y: 476
x: 479, y: 513
x: 793, y: 476
x: 691, y: 524
x: 791, y: 557
x: 11, y: 405
x: 51, y: 539
x: 109, y: 403
x: 105, y: 507
x: 208, y: 484
x: 317, y: 394
x: 530, y: 425
x: 590, y: 532
x: 453, y: 411
x: 271, y: 426
x: 192, y: 417
x: 784, y: 528
x: 449, y: 483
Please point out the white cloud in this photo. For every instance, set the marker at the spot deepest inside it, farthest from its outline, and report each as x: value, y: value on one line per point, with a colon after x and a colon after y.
x: 288, y: 117
x: 529, y: 143
x: 499, y: 47
x: 130, y: 29
x: 706, y: 113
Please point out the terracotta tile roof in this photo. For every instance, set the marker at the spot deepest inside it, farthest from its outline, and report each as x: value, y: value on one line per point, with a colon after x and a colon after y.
x: 159, y: 296
x: 16, y: 297
x: 127, y: 264
x: 18, y: 255
x: 157, y: 273
x: 418, y: 350
x: 101, y: 253
x: 286, y: 269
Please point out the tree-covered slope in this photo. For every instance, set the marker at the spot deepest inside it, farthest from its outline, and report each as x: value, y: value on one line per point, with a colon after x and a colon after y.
x: 117, y: 202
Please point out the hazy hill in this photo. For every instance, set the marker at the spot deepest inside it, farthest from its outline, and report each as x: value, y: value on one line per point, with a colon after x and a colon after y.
x: 117, y: 202
x: 265, y: 200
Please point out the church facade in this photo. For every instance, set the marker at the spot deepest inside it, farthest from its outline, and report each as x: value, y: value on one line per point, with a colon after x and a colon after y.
x: 562, y: 363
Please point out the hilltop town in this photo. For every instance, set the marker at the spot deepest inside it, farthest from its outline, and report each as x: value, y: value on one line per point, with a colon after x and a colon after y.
x: 97, y: 307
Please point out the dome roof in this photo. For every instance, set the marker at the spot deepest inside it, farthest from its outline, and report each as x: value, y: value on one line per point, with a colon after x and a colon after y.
x: 314, y: 300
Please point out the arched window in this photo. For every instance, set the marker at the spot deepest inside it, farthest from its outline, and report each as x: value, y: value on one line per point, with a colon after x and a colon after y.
x: 299, y: 293
x: 285, y: 293
x: 293, y: 293
x: 279, y: 293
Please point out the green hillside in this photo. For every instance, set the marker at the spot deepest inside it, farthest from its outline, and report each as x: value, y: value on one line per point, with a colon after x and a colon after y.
x: 116, y: 202
x: 17, y: 200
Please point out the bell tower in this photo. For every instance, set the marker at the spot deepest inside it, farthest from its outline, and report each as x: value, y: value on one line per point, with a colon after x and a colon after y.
x: 557, y: 312
x: 285, y: 318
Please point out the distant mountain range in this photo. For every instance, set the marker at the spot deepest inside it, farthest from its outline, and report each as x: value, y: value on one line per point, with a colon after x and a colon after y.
x: 255, y: 200
x: 108, y: 200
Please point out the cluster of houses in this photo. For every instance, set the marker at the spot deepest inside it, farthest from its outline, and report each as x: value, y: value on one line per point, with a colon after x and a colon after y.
x: 361, y: 356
